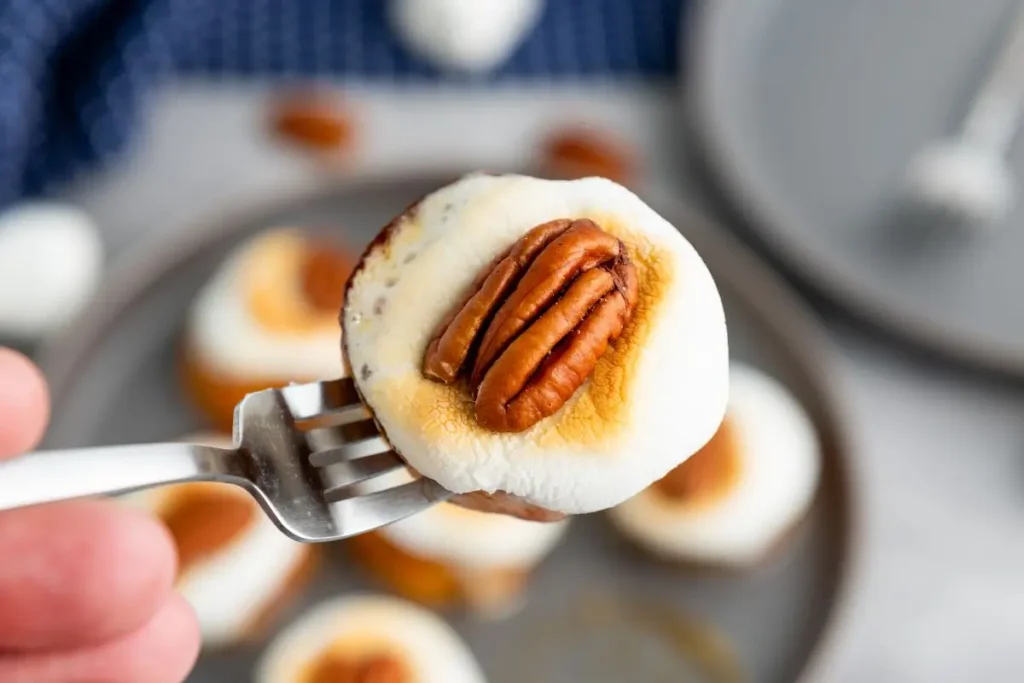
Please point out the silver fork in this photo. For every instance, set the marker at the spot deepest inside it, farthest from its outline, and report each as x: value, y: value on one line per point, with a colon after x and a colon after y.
x: 307, y: 453
x: 965, y: 181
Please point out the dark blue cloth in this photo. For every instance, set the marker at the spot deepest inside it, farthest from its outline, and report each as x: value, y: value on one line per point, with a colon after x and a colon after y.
x: 74, y: 73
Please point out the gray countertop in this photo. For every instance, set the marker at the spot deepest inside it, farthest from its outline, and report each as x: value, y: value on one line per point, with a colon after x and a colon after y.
x: 940, y: 596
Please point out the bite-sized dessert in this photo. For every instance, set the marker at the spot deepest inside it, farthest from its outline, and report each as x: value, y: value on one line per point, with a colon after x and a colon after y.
x: 733, y: 501
x: 51, y: 258
x: 235, y: 568
x: 580, y: 152
x: 550, y: 347
x: 450, y: 556
x: 368, y: 639
x: 268, y: 317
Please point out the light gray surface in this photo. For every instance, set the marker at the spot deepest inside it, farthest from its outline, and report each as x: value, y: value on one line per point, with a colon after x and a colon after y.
x: 941, y: 599
x: 117, y: 381
x: 813, y: 109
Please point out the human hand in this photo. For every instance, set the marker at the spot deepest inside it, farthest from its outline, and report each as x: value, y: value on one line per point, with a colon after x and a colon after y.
x: 85, y: 586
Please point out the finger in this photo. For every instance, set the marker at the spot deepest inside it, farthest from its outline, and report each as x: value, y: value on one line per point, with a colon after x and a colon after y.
x: 161, y: 651
x: 24, y: 403
x: 79, y: 573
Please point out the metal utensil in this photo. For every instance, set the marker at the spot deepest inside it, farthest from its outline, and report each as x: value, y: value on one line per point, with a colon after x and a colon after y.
x: 964, y: 182
x: 310, y: 494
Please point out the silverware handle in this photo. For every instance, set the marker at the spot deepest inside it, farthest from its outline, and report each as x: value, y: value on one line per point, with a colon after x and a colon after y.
x: 48, y: 476
x: 995, y: 114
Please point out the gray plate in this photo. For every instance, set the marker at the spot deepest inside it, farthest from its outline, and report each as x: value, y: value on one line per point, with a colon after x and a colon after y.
x: 590, y: 615
x: 809, y: 111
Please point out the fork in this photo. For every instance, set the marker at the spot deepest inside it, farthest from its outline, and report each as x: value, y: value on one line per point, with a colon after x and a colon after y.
x: 310, y: 454
x: 965, y: 181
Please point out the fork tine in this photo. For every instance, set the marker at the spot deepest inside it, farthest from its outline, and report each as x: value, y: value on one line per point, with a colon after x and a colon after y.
x: 350, y: 451
x: 366, y: 512
x: 335, y: 399
x: 346, y: 474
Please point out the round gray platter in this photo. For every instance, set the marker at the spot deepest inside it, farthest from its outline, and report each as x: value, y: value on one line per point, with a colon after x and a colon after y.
x: 809, y: 111
x: 591, y: 608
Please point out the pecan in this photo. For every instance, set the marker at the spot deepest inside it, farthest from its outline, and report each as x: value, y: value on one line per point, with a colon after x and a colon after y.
x: 377, y: 669
x: 383, y: 669
x: 708, y: 473
x: 535, y: 323
x: 333, y: 669
x: 580, y: 152
x: 204, y: 519
x: 312, y: 120
x: 324, y: 273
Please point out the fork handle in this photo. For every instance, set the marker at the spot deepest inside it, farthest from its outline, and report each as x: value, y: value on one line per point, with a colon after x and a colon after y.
x: 997, y: 107
x: 48, y: 476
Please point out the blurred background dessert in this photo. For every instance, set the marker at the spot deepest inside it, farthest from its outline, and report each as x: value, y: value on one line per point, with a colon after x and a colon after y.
x: 450, y: 556
x: 733, y: 501
x: 267, y: 318
x: 367, y: 638
x: 235, y: 568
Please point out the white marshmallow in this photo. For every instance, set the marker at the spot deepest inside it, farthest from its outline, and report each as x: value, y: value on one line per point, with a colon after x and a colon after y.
x: 653, y: 400
x: 431, y: 649
x: 51, y: 259
x: 228, y: 337
x: 465, y: 538
x: 780, y: 466
x: 464, y: 35
x: 230, y: 589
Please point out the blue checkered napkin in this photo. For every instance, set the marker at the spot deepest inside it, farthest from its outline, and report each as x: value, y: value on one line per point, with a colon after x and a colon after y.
x: 73, y: 73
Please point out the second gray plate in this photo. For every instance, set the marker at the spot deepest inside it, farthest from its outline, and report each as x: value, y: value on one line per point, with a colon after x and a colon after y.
x: 588, y: 616
x: 810, y: 110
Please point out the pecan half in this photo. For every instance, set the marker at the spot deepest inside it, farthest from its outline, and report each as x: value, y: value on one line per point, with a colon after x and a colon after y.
x: 312, y: 120
x: 535, y: 323
x: 325, y: 271
x: 204, y: 519
x: 581, y: 152
x: 381, y: 668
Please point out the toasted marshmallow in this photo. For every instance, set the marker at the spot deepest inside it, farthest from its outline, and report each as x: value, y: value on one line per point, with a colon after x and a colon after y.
x: 730, y: 503
x: 235, y: 565
x: 448, y: 555
x: 258, y: 318
x: 655, y: 396
x: 354, y: 633
x: 469, y: 539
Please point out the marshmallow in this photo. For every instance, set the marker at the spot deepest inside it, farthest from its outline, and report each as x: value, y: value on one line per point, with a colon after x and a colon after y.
x: 252, y: 319
x: 233, y: 587
x: 477, y: 540
x: 51, y: 259
x: 777, y: 470
x: 656, y: 395
x: 358, y: 627
x: 464, y: 35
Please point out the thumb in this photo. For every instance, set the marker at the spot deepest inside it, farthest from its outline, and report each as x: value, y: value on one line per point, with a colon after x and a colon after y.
x: 24, y: 403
